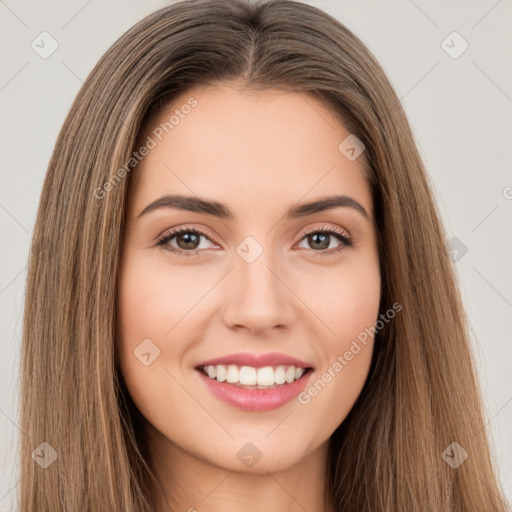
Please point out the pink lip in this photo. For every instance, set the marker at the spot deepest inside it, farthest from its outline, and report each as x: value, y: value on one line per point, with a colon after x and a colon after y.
x: 252, y: 399
x: 257, y: 360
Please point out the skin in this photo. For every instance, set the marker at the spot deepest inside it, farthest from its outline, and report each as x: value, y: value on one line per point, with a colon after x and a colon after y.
x: 260, y: 153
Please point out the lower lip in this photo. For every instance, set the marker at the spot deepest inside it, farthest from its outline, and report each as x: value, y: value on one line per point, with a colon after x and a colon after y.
x: 256, y: 400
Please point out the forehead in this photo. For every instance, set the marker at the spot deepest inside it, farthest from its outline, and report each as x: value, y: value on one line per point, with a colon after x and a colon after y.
x: 245, y: 147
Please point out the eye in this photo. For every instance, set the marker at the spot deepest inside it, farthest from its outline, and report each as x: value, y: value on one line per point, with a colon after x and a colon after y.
x: 187, y: 239
x: 322, y: 237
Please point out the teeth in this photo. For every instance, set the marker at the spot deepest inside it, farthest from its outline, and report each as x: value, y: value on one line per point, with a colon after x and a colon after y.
x: 247, y: 376
x: 265, y: 376
x: 232, y: 374
x: 280, y: 375
x: 250, y: 376
x: 221, y: 373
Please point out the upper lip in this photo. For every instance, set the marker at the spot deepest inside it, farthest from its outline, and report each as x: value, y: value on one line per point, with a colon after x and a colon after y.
x: 257, y: 360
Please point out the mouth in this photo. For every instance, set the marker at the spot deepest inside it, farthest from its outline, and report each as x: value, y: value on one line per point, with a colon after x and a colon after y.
x: 255, y: 383
x: 251, y: 377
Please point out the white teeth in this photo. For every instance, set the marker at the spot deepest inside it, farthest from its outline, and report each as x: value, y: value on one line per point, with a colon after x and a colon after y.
x: 265, y: 376
x: 221, y: 373
x: 280, y: 375
x: 256, y: 377
x: 247, y: 376
x: 232, y: 374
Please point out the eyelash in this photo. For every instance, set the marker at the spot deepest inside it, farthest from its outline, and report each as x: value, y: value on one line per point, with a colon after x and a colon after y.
x: 340, y: 235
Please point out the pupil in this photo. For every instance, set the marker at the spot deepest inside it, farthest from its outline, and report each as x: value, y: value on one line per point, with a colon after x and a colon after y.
x: 190, y: 238
x: 324, y: 244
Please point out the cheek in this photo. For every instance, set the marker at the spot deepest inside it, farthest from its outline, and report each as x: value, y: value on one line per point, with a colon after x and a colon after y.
x: 152, y: 308
x: 348, y: 304
x: 152, y: 300
x: 354, y: 319
x: 150, y: 304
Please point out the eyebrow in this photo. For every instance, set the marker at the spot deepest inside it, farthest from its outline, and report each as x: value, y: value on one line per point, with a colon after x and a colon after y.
x: 198, y: 205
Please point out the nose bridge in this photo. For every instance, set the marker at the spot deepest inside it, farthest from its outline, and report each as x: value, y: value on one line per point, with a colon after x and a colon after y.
x: 258, y: 298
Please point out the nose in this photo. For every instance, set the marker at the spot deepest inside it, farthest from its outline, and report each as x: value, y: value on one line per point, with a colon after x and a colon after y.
x: 258, y: 298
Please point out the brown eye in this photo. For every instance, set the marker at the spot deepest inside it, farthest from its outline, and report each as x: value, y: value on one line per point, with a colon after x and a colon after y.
x: 187, y: 241
x: 320, y: 239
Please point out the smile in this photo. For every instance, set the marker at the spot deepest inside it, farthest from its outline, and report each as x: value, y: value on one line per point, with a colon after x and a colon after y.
x: 253, y: 378
x: 254, y: 397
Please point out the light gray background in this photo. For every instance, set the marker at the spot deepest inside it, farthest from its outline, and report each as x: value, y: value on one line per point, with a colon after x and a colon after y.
x: 460, y: 110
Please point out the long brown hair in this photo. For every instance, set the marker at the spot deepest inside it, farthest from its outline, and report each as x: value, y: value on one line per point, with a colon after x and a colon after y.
x: 421, y: 395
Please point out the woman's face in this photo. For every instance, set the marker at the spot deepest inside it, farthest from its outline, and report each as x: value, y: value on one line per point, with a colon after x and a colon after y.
x: 254, y: 273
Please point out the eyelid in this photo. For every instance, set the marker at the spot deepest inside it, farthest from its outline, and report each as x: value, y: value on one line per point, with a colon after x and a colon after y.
x: 325, y: 227
x: 169, y: 234
x: 205, y: 232
x: 202, y: 230
x: 341, y: 234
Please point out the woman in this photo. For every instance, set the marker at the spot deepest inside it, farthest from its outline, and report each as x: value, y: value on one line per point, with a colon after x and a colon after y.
x: 248, y: 302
